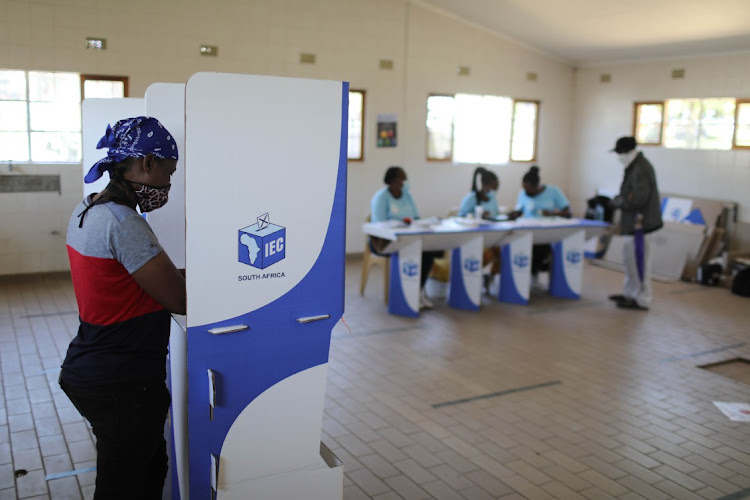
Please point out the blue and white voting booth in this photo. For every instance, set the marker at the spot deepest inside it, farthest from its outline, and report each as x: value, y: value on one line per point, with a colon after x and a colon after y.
x: 265, y: 192
x: 257, y: 217
x: 166, y: 102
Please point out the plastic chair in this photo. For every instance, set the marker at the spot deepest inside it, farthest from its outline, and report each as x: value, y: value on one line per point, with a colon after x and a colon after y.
x: 370, y: 259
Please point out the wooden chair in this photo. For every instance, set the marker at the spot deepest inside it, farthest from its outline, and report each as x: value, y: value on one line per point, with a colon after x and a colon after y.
x: 370, y: 259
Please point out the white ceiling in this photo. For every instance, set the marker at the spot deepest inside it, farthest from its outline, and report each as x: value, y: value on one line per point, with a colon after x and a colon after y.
x: 586, y: 32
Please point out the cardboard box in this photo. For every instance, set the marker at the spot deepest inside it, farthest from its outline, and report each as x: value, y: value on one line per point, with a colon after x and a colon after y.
x: 672, y: 247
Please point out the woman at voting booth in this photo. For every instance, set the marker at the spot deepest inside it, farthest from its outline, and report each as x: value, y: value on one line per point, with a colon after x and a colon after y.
x: 481, y: 202
x: 540, y: 200
x: 394, y: 202
x: 126, y: 287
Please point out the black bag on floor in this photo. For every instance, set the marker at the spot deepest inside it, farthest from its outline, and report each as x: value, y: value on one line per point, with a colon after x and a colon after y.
x: 709, y: 274
x: 741, y: 283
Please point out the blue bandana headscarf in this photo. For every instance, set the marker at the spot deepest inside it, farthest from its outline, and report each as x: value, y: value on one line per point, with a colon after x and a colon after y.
x: 132, y: 138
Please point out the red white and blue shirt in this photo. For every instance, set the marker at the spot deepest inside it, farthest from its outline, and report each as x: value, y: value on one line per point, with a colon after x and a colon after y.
x: 124, y: 332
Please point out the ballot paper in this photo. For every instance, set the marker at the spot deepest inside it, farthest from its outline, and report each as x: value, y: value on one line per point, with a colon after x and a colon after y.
x: 738, y: 412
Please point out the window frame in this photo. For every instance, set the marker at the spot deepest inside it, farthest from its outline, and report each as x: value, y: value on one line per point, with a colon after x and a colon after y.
x: 109, y: 78
x: 361, y: 157
x: 29, y: 130
x: 428, y: 158
x: 536, y: 130
x: 636, y: 108
x: 514, y: 100
x: 737, y: 103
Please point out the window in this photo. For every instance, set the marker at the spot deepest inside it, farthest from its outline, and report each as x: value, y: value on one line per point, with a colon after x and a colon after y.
x: 699, y: 123
x: 742, y: 125
x: 440, y: 109
x: 525, y: 129
x: 467, y: 128
x: 40, y: 116
x: 356, y: 125
x: 647, y: 122
x: 102, y: 86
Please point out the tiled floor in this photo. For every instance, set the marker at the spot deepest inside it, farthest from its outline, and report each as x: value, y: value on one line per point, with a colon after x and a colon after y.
x: 582, y: 400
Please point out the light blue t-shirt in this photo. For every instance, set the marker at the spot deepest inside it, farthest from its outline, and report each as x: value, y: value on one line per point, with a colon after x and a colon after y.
x: 549, y: 199
x: 385, y: 207
x: 469, y: 203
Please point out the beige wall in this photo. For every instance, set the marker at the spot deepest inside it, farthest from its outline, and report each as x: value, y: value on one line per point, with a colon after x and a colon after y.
x: 604, y: 111
x: 157, y: 41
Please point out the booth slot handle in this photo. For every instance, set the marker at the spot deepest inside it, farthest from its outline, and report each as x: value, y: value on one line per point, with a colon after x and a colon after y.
x: 211, y: 393
x: 214, y: 476
x: 310, y: 319
x: 227, y: 329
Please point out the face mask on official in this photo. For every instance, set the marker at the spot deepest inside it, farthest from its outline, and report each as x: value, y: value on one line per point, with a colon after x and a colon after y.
x: 151, y: 197
x: 624, y: 158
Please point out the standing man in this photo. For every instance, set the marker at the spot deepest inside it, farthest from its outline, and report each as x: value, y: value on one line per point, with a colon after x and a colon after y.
x: 640, y: 207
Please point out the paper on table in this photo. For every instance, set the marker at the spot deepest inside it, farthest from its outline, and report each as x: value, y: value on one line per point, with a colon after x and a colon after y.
x: 738, y: 412
x: 544, y: 221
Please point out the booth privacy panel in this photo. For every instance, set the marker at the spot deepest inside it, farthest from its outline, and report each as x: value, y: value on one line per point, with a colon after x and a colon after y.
x: 258, y: 146
x: 265, y: 209
x: 166, y: 103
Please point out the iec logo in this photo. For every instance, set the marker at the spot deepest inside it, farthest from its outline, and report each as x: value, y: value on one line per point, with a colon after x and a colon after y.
x: 521, y: 260
x: 471, y: 264
x: 573, y: 256
x: 262, y: 244
x: 410, y: 268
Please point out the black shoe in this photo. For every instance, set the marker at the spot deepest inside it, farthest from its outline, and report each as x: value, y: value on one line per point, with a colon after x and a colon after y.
x: 617, y: 297
x: 630, y: 304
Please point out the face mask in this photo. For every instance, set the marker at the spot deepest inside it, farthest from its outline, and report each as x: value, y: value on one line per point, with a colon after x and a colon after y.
x: 624, y: 158
x: 151, y: 197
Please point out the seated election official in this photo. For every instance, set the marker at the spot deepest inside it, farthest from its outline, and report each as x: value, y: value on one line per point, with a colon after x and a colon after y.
x: 394, y: 202
x: 482, y: 197
x: 126, y: 287
x: 540, y: 200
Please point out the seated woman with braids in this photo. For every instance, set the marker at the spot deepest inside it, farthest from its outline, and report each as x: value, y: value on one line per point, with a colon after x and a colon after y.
x: 482, y: 195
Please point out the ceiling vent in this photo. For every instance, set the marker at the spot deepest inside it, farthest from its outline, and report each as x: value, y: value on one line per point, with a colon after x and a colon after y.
x: 678, y: 74
x: 386, y: 64
x: 463, y: 70
x: 605, y: 78
x: 531, y: 76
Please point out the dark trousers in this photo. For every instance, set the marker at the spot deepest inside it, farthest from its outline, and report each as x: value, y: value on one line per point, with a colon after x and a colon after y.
x: 428, y: 259
x: 540, y: 258
x: 131, y: 454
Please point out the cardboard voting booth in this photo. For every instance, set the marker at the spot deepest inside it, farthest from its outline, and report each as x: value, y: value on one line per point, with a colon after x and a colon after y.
x: 265, y: 191
x: 257, y: 217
